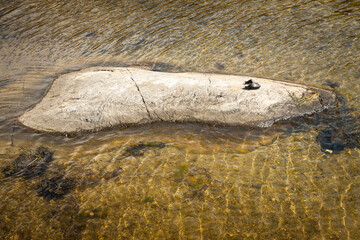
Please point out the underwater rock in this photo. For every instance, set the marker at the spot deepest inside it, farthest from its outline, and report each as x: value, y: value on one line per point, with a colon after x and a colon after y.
x: 96, y: 98
x: 334, y: 139
x: 341, y: 130
x: 329, y: 140
x: 55, y: 187
x: 30, y: 165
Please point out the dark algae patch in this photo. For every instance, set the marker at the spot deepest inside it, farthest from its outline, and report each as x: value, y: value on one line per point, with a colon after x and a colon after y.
x: 96, y: 213
x: 55, y: 187
x: 149, y: 199
x: 180, y: 172
x: 51, y: 185
x: 30, y: 165
x: 140, y: 148
x: 195, y: 180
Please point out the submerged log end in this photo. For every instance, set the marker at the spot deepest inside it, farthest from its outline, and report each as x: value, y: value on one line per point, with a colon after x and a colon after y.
x: 98, y: 98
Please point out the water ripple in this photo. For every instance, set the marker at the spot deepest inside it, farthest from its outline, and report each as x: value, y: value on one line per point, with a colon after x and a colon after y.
x: 208, y: 181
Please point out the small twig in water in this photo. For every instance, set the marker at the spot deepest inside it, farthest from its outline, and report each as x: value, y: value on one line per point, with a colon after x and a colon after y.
x: 12, y: 133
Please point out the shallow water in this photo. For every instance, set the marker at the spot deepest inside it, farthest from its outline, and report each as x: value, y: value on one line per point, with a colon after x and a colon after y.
x: 186, y: 181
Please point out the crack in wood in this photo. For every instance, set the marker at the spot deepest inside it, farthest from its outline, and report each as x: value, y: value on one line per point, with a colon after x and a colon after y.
x: 142, y: 97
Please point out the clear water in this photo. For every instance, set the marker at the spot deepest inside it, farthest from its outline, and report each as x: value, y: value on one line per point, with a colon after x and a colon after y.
x: 182, y: 181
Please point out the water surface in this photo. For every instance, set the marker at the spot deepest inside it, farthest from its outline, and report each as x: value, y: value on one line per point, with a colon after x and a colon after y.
x: 180, y: 181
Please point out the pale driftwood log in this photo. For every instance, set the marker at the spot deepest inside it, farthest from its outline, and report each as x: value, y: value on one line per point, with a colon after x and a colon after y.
x: 96, y: 98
